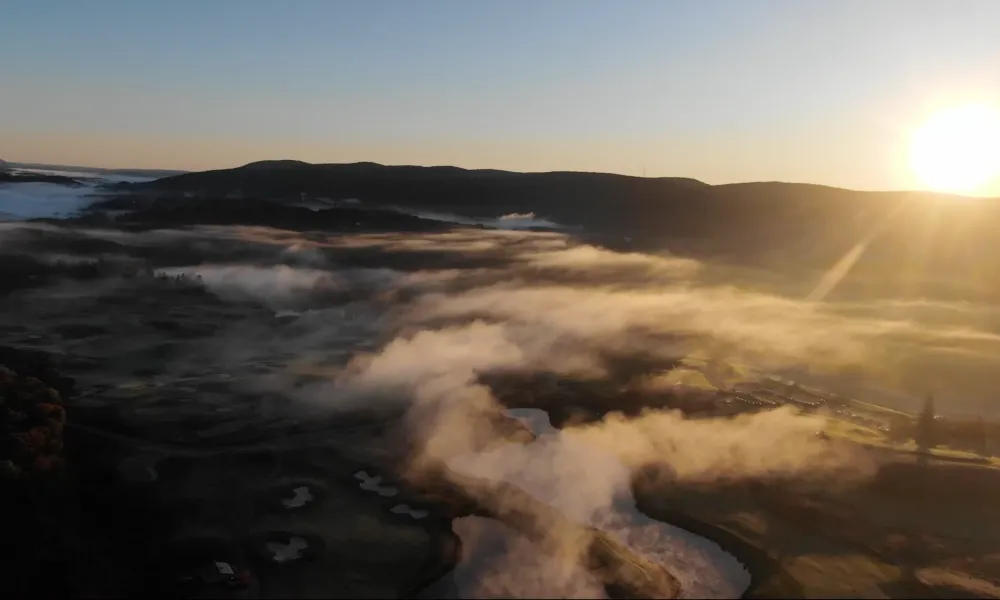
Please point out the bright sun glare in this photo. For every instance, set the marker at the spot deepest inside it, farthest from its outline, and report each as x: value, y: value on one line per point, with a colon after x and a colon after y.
x: 958, y: 149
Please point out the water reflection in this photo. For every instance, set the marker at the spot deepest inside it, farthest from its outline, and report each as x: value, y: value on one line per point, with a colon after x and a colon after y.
x: 592, y: 487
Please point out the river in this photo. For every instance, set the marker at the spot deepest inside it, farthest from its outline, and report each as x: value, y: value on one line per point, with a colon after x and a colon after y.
x: 591, y: 487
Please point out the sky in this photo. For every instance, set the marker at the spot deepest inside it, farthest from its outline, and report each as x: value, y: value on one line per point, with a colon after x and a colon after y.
x: 724, y: 91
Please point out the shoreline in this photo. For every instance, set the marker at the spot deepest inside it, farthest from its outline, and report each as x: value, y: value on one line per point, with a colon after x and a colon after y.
x: 758, y: 563
x: 761, y: 566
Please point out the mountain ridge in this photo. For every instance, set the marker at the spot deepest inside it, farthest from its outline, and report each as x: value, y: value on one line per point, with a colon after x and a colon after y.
x: 292, y: 163
x: 160, y: 173
x: 782, y: 226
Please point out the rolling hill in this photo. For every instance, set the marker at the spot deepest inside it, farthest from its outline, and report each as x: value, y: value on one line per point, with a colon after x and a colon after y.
x: 921, y: 244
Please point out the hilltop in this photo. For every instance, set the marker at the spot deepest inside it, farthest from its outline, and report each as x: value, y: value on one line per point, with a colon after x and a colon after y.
x: 12, y: 176
x: 95, y: 170
x: 791, y: 228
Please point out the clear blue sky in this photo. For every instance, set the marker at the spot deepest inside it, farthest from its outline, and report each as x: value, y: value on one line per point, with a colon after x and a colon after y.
x: 720, y: 90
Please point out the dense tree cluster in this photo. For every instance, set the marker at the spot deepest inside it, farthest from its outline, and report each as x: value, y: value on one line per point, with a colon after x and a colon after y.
x: 930, y: 430
x: 32, y: 419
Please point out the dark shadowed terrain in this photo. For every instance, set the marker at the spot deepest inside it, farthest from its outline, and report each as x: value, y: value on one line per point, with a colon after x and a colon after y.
x: 257, y: 371
x: 928, y: 244
x: 14, y: 177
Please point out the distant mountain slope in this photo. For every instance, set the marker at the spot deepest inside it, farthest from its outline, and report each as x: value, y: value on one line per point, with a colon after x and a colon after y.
x: 470, y: 192
x: 925, y: 240
x: 130, y: 172
x: 13, y: 176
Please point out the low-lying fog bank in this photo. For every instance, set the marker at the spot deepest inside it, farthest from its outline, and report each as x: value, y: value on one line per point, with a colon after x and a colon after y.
x: 415, y: 322
x: 46, y: 193
x: 592, y: 487
x: 564, y: 294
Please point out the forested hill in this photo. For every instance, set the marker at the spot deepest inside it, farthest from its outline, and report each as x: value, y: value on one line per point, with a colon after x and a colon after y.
x: 937, y: 239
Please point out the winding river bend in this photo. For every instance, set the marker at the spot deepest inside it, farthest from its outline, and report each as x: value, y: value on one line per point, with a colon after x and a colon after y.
x: 592, y: 488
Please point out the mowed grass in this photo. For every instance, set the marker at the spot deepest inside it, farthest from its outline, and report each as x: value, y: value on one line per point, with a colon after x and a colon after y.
x: 689, y: 378
x: 852, y: 432
x: 877, y: 409
x: 911, y: 532
x: 866, y: 436
x: 785, y: 559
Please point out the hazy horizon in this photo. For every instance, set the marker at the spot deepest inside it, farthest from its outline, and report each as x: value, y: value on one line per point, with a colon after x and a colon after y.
x: 721, y: 91
x: 153, y: 168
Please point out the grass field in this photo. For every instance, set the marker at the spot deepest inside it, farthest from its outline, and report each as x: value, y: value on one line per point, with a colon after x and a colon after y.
x: 852, y: 432
x: 911, y: 532
x: 872, y: 438
x: 877, y: 409
x: 918, y: 529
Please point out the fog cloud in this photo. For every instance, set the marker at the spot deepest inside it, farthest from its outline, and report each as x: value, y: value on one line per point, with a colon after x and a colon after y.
x: 425, y: 339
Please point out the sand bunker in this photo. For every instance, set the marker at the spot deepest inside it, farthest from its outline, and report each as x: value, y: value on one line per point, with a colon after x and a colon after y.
x: 302, y: 497
x: 289, y: 551
x: 372, y: 483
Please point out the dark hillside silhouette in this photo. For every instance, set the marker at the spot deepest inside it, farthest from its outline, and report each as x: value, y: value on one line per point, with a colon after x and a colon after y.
x: 927, y: 244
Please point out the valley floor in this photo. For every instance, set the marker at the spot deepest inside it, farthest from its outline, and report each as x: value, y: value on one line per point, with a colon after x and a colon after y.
x: 183, y: 423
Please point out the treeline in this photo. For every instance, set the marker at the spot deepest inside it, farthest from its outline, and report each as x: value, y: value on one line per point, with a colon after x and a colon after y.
x: 930, y: 431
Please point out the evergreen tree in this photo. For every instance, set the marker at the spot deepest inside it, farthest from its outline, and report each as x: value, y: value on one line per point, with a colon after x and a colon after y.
x: 925, y: 426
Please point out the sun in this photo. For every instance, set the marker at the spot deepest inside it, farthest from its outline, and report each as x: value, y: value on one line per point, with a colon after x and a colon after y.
x: 958, y: 149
